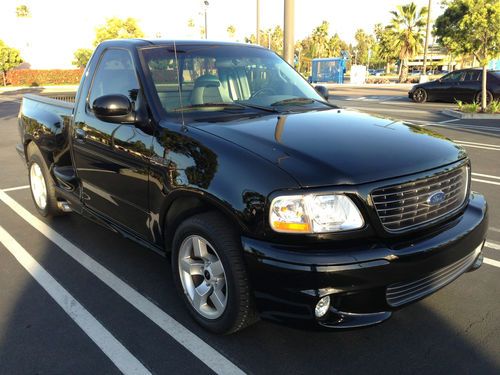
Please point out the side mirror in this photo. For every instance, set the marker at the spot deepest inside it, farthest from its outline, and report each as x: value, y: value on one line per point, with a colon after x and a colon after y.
x: 323, y: 91
x: 113, y: 108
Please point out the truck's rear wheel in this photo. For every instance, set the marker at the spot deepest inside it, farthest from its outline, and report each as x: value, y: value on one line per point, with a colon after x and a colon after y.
x: 41, y: 183
x: 210, y: 275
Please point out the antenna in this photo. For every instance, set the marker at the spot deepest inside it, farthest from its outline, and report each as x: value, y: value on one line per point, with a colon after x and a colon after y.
x: 179, y: 83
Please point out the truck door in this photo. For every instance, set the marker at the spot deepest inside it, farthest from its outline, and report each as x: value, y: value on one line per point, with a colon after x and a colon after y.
x: 111, y: 159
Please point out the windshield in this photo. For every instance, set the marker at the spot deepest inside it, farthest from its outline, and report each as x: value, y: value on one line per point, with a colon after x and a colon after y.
x: 227, y: 78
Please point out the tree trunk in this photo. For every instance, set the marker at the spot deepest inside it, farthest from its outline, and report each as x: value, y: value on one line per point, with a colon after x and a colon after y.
x: 483, y: 95
x: 4, y: 79
x: 387, y: 67
x: 403, y: 76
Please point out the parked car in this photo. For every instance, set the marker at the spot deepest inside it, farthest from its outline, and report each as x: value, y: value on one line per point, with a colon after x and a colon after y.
x: 464, y: 85
x: 268, y: 200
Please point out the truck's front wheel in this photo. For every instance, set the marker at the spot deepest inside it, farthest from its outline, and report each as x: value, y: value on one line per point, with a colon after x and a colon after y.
x: 41, y: 183
x: 210, y: 274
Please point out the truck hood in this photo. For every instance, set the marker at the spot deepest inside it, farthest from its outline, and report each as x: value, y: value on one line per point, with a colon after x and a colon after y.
x: 337, y: 147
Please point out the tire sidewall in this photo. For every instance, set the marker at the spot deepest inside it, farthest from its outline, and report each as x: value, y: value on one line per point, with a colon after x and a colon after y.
x: 224, y: 323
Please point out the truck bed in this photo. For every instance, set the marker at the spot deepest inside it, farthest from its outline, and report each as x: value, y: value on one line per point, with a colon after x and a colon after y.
x: 45, y: 120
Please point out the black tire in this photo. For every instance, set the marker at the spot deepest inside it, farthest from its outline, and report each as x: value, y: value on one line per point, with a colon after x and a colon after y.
x: 239, y: 311
x: 420, y: 95
x: 479, y: 95
x: 50, y: 208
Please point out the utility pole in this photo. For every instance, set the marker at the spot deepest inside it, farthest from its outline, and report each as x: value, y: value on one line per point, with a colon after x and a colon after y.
x: 427, y: 32
x: 288, y: 38
x: 257, y: 32
x: 206, y: 24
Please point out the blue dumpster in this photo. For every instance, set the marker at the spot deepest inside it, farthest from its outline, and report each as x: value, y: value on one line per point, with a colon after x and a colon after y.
x: 329, y: 69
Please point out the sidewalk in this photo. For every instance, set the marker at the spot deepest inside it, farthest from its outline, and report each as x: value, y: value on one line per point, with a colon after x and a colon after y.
x: 38, y: 89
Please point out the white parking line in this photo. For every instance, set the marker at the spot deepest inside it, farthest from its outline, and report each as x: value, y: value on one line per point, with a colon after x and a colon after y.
x: 475, y: 146
x: 204, y: 352
x: 447, y: 121
x: 492, y: 262
x: 16, y: 188
x: 485, y: 175
x: 486, y: 182
x: 113, y: 349
x: 492, y: 245
x: 476, y: 143
x: 494, y: 229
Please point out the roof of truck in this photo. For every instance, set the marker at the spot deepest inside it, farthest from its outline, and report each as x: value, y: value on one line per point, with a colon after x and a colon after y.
x: 159, y: 42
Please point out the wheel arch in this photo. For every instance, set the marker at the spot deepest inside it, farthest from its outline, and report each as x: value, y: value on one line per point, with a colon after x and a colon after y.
x: 184, y: 204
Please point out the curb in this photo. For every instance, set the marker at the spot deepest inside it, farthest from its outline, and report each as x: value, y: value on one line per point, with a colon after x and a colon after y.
x: 474, y: 116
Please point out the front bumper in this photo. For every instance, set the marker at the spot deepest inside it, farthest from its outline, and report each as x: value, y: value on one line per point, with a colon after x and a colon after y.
x: 288, y: 281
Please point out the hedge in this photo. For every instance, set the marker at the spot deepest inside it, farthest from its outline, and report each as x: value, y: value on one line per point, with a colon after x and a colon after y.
x: 29, y: 77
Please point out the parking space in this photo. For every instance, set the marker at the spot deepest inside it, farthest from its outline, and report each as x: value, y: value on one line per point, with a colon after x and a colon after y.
x: 77, y: 298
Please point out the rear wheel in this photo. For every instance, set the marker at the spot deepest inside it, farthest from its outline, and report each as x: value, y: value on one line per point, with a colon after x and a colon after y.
x: 210, y: 275
x: 420, y: 95
x: 479, y: 97
x: 41, y: 183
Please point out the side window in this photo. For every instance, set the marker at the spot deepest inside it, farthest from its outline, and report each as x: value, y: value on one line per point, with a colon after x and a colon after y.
x: 472, y: 75
x: 115, y: 74
x: 454, y: 77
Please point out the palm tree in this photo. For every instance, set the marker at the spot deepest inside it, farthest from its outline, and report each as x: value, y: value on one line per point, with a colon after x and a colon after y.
x: 231, y: 31
x: 408, y: 27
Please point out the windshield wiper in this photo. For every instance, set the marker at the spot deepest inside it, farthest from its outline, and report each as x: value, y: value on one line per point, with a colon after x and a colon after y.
x: 232, y: 105
x: 299, y: 101
x: 210, y: 105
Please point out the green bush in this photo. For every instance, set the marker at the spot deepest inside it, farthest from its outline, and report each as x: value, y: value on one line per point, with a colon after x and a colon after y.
x: 29, y: 77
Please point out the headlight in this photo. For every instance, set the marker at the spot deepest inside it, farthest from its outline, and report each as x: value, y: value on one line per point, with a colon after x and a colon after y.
x: 314, y: 213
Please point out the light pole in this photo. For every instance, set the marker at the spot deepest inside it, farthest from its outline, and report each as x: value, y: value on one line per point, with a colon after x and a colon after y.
x: 288, y: 38
x: 257, y: 32
x: 206, y: 23
x: 427, y: 32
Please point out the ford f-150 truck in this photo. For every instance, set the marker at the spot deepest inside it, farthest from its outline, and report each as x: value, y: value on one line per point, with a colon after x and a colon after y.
x: 270, y: 201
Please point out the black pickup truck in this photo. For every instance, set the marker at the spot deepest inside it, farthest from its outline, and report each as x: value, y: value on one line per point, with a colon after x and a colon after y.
x: 270, y: 201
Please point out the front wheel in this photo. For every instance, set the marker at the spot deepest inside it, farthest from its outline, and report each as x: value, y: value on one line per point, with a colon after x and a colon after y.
x: 420, y: 96
x: 210, y: 275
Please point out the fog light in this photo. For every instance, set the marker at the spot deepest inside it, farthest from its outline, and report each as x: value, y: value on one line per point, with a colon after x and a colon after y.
x: 322, y: 307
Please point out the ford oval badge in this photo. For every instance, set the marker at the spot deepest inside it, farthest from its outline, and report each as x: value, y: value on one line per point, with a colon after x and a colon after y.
x: 435, y: 198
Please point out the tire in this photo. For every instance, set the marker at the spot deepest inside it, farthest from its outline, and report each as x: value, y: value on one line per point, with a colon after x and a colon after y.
x: 489, y: 97
x: 42, y: 185
x: 420, y: 95
x: 212, y: 279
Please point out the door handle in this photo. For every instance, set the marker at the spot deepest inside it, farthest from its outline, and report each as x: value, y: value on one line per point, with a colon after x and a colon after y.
x: 80, y: 134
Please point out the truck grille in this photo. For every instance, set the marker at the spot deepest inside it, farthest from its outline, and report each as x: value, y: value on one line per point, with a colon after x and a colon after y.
x: 400, y: 207
x: 401, y: 293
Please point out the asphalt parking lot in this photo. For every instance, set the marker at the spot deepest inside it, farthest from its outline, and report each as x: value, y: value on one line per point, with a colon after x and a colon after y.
x: 112, y: 306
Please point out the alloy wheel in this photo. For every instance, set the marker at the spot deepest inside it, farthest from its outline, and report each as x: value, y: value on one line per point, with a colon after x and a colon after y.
x: 38, y: 186
x: 202, y: 276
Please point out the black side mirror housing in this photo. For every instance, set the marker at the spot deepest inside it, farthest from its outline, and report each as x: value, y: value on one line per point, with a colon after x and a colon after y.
x: 323, y: 91
x: 115, y: 108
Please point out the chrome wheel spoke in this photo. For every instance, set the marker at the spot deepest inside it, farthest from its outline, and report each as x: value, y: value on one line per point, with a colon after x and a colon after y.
x: 201, y: 293
x: 199, y: 248
x: 216, y: 269
x: 218, y: 299
x: 193, y: 267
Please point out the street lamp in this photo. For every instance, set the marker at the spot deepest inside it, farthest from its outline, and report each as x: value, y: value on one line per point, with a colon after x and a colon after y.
x: 206, y: 4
